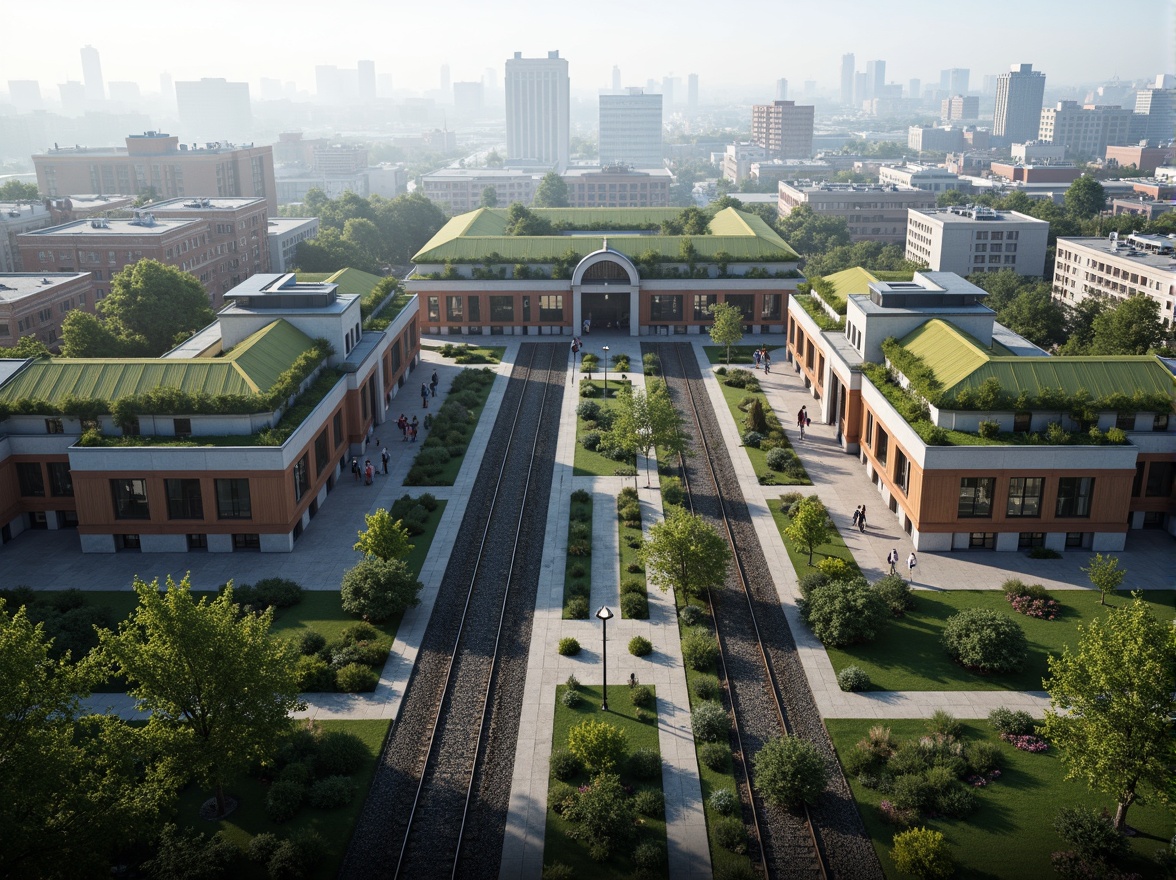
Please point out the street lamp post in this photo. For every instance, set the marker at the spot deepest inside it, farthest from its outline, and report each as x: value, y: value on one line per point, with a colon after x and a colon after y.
x: 604, y: 348
x: 645, y: 434
x: 605, y: 614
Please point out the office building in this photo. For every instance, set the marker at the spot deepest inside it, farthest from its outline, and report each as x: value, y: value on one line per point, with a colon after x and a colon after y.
x: 25, y: 95
x: 460, y: 189
x: 631, y: 129
x: 1117, y: 267
x: 1155, y: 111
x: 1141, y: 158
x: 1019, y: 96
x: 616, y: 79
x: 73, y: 98
x: 1049, y: 172
x: 781, y: 89
x: 338, y: 159
x: 159, y: 161
x: 738, y: 159
x: 618, y: 186
x: 1085, y: 131
x: 1032, y: 492
x: 872, y: 212
x: 92, y: 75
x: 17, y: 218
x: 847, y: 79
x: 35, y: 304
x: 935, y: 139
x: 960, y: 107
x: 966, y: 238
x: 928, y: 177
x: 537, y: 110
x: 875, y: 78
x: 284, y: 234
x: 915, y: 89
x: 783, y: 128
x: 214, y: 109
x: 1038, y: 153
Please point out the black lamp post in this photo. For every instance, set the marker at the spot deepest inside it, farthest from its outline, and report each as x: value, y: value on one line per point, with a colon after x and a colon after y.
x: 604, y: 348
x: 605, y: 614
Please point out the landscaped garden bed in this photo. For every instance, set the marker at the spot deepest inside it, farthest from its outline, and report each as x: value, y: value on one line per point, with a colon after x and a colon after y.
x: 465, y: 353
x: 764, y: 439
x: 633, y: 588
x: 578, y: 569
x: 594, y: 417
x: 450, y: 430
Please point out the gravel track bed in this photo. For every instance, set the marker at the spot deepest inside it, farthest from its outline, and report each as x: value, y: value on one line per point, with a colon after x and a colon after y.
x: 380, y: 831
x: 786, y: 845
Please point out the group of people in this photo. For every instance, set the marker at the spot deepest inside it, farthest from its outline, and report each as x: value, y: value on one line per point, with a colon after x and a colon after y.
x: 428, y: 390
x: 912, y: 561
x: 762, y: 356
x: 408, y: 430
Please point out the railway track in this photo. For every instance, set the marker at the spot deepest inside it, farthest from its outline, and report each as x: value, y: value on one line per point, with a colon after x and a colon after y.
x: 437, y: 805
x: 759, y: 666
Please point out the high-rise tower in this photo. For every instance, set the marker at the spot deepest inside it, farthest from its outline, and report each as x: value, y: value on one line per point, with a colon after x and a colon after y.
x: 92, y: 75
x: 537, y: 110
x: 1019, y: 95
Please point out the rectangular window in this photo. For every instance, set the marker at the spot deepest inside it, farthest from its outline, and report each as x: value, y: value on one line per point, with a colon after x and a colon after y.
x: 434, y: 309
x: 54, y: 426
x: 1022, y: 422
x: 1074, y: 494
x: 1025, y: 496
x: 32, y: 480
x: 247, y: 542
x: 501, y: 308
x: 130, y: 499
x: 702, y: 305
x: 982, y: 541
x: 665, y: 308
x: 1159, y: 479
x: 1160, y: 422
x: 337, y: 423
x: 902, y: 470
x: 183, y: 500
x: 976, y: 497
x: 322, y: 451
x: 551, y: 307
x: 60, y: 480
x: 869, y: 437
x: 881, y: 444
x: 453, y: 309
x: 1125, y: 421
x: 770, y: 307
x: 301, y: 478
x: 745, y: 302
x: 1074, y: 540
x: 183, y: 427
x: 232, y: 499
x: 475, y: 306
x: 1029, y: 540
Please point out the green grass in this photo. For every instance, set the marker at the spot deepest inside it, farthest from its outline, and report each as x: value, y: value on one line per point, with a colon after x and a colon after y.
x: 759, y: 457
x: 740, y: 354
x: 588, y: 463
x: 472, y: 354
x: 908, y: 656
x: 1010, y: 834
x: 250, y: 819
x: 834, y: 548
x: 578, y: 585
x: 557, y: 845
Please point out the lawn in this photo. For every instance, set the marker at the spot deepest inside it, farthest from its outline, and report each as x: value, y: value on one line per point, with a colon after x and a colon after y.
x: 799, y: 557
x: 557, y: 845
x: 759, y: 457
x: 908, y: 656
x: 249, y: 818
x: 588, y: 463
x: 1010, y: 834
x: 465, y: 353
x: 740, y: 354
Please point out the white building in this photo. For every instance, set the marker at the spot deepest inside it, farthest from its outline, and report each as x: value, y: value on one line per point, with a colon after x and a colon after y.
x: 1085, y: 130
x: 284, y: 234
x: 631, y: 129
x: 1037, y: 152
x: 460, y: 189
x: 538, y: 108
x: 1136, y: 264
x: 738, y: 158
x: 967, y: 239
x: 928, y: 177
x: 16, y: 218
x: 1019, y: 95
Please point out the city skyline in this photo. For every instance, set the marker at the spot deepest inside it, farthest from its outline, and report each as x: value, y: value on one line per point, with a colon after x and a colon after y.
x: 1139, y: 37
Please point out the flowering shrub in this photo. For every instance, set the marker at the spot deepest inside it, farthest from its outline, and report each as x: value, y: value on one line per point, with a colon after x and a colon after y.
x: 1026, y: 742
x: 902, y: 816
x: 979, y: 780
x: 1043, y: 609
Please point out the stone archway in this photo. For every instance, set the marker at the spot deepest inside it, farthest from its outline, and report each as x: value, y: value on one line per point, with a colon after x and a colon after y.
x: 605, y: 290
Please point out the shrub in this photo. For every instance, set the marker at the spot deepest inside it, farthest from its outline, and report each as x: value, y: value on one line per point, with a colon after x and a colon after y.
x: 741, y: 379
x: 314, y: 674
x: 278, y: 592
x: 577, y: 570
x: 564, y: 765
x: 896, y: 593
x: 691, y: 615
x: 845, y: 613
x: 671, y: 490
x: 706, y: 689
x: 634, y: 568
x: 576, y: 609
x: 645, y: 764
x: 558, y: 871
x: 339, y: 753
x: 709, y: 722
x: 834, y: 568
x: 790, y: 771
x: 569, y: 647
x: 715, y: 755
x: 650, y: 855
x: 1045, y: 552
x: 331, y: 793
x: 780, y: 458
x: 571, y: 699
x: 311, y: 642
x: 600, y: 746
x: 945, y: 724
x: 635, y: 606
x: 630, y: 512
x: 284, y: 800
x: 1011, y: 723
x: 730, y: 834
x: 591, y: 441
x: 983, y: 757
x: 752, y: 439
x: 605, y: 814
x: 1091, y: 833
x: 642, y: 696
x: 985, y: 641
x: 955, y: 801
x: 853, y: 678
x: 723, y: 801
x: 699, y: 649
x: 378, y: 589
x: 588, y: 410
x: 922, y: 853
x: 356, y: 678
x: 989, y: 430
x: 581, y: 496
x: 814, y: 580
x: 262, y: 846
x: 573, y: 683
x: 643, y: 715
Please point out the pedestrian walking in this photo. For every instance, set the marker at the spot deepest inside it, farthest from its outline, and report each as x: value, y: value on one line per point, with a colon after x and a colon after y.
x: 424, y: 395
x: 892, y: 558
x: 862, y: 519
x: 433, y: 384
x: 857, y: 514
x: 384, y: 456
x: 371, y: 430
x: 802, y: 420
x: 911, y: 563
x: 355, y: 469
x: 412, y: 433
x: 767, y: 358
x: 368, y: 472
x: 402, y: 424
x: 632, y: 679
x: 756, y: 355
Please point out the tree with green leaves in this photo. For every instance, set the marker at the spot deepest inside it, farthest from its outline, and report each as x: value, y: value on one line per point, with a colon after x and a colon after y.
x: 1111, y: 705
x: 1130, y: 327
x: 26, y: 347
x: 790, y: 771
x: 684, y: 552
x: 218, y: 684
x: 384, y: 538
x: 810, y: 525
x: 85, y: 335
x: 378, y: 589
x: 72, y: 787
x: 1080, y: 318
x: 1035, y: 315
x: 1085, y: 198
x: 727, y: 329
x: 645, y: 419
x: 809, y: 233
x: 950, y: 197
x: 489, y: 197
x: 552, y: 192
x: 1105, y: 574
x: 16, y: 191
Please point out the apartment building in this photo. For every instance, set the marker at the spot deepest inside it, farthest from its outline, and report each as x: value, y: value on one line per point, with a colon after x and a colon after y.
x: 618, y: 186
x: 1019, y: 96
x: 927, y: 177
x: 783, y: 128
x: 284, y: 234
x: 1135, y: 265
x: 538, y: 108
x: 35, y: 304
x: 1085, y: 130
x: 969, y: 238
x: 17, y: 218
x: 631, y: 130
x: 872, y: 212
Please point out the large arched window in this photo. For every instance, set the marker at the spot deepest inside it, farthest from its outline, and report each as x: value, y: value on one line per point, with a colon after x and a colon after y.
x: 606, y: 272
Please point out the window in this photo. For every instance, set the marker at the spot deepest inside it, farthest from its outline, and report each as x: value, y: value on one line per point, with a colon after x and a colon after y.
x: 665, y: 308
x: 60, y: 480
x: 54, y: 426
x: 301, y: 478
x: 770, y: 308
x: 1074, y: 496
x: 501, y: 308
x: 745, y: 302
x: 869, y: 428
x: 183, y: 427
x: 247, y: 542
x: 551, y: 307
x: 475, y: 307
x: 1074, y: 540
x: 881, y: 444
x: 32, y: 481
x: 130, y: 428
x: 183, y: 500
x: 130, y: 499
x: 232, y: 499
x: 1022, y: 422
x: 337, y: 424
x: 982, y: 541
x: 976, y: 497
x: 453, y: 309
x: 1159, y: 479
x: 1125, y: 421
x: 322, y: 451
x: 902, y: 471
x: 434, y: 307
x: 1160, y: 422
x: 1025, y: 496
x: 702, y: 306
x: 1029, y: 540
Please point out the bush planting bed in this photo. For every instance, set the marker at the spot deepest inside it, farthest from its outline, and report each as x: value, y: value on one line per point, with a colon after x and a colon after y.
x: 593, y: 458
x: 451, y: 429
x: 578, y: 570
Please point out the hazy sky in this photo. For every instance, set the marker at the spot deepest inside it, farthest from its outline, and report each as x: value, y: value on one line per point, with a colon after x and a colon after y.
x: 736, y: 43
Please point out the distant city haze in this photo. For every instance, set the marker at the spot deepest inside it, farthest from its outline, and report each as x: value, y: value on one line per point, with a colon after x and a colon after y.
x: 742, y: 47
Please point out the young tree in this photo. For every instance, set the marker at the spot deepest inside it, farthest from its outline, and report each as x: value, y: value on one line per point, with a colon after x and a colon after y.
x: 218, y: 684
x: 489, y: 197
x: 1085, y: 198
x: 552, y: 192
x: 1104, y: 573
x: 376, y: 589
x: 790, y: 771
x: 385, y: 538
x: 647, y: 419
x: 810, y: 525
x: 1111, y: 704
x: 728, y: 326
x: 686, y: 553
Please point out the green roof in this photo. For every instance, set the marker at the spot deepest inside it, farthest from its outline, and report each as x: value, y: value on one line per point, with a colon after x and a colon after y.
x: 354, y: 282
x: 959, y: 361
x: 252, y: 367
x: 475, y: 236
x: 849, y: 282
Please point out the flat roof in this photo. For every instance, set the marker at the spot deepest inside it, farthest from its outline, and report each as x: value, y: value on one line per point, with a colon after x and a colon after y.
x: 580, y: 171
x: 95, y: 200
x: 481, y: 172
x: 288, y: 224
x: 17, y: 285
x: 1166, y: 262
x: 809, y: 186
x: 988, y: 215
x: 113, y: 226
x: 203, y: 203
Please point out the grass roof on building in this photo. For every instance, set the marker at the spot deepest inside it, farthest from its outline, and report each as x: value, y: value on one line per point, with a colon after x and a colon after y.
x: 960, y: 362
x: 252, y: 367
x: 473, y: 237
x: 851, y: 282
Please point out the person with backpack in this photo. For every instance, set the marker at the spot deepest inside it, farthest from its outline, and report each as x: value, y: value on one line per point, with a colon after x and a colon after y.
x: 911, y: 563
x: 355, y: 469
x: 892, y: 558
x: 433, y: 384
x: 424, y: 395
x: 861, y: 523
x: 857, y: 514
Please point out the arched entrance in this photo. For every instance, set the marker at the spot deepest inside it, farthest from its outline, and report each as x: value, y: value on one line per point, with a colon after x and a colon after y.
x: 604, y: 292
